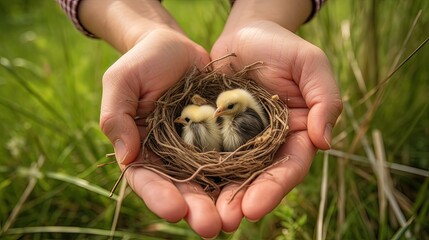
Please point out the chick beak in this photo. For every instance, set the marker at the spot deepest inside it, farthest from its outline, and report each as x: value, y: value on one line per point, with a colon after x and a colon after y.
x: 219, y: 112
x: 180, y: 120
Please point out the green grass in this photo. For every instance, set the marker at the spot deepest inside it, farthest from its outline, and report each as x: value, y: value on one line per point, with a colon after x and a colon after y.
x: 50, y: 89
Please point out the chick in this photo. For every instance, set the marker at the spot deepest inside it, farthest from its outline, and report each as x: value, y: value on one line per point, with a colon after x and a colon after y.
x: 242, y: 118
x: 200, y: 128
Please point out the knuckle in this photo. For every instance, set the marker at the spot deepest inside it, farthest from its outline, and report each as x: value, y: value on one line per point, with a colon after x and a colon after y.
x: 107, y: 123
x: 109, y: 75
x: 337, y: 103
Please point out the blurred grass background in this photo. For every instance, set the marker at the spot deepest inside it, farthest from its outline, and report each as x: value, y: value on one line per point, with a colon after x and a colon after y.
x: 373, y: 184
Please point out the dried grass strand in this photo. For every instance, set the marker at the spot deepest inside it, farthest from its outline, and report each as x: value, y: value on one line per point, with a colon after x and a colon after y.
x: 180, y: 162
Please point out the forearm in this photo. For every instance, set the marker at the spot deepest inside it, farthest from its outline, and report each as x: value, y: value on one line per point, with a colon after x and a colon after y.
x: 123, y: 23
x: 288, y: 13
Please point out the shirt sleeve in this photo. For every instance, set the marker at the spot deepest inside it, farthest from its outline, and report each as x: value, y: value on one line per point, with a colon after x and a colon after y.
x: 70, y: 7
x: 317, y: 4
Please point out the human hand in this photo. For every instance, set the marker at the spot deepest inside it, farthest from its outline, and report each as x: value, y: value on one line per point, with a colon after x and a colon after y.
x: 154, y: 60
x: 301, y: 75
x: 156, y: 54
x: 130, y: 87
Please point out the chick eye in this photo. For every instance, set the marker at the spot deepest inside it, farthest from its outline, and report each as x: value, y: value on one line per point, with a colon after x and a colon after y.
x: 230, y: 106
x: 187, y: 119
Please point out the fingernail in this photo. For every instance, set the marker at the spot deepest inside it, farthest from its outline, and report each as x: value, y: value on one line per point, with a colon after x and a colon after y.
x: 328, y: 134
x: 120, y: 150
x: 231, y: 232
x: 253, y: 220
x: 210, y: 238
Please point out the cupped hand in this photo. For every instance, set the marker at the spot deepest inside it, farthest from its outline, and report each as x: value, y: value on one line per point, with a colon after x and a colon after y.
x: 130, y: 88
x: 301, y: 75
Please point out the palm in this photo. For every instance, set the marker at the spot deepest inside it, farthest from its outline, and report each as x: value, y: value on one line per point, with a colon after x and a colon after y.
x: 130, y: 87
x: 300, y: 74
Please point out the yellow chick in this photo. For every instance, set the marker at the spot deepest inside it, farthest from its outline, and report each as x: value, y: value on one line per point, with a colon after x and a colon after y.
x: 200, y: 128
x: 241, y: 117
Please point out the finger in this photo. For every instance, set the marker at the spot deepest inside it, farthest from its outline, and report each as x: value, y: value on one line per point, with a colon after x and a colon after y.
x: 160, y: 195
x: 146, y: 71
x: 230, y: 209
x: 119, y: 104
x: 202, y: 214
x: 286, y: 89
x: 281, y: 178
x: 296, y: 102
x: 321, y: 94
x: 118, y: 108
x: 297, y: 119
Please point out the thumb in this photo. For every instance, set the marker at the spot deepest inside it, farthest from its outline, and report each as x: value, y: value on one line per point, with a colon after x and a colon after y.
x: 321, y: 120
x: 124, y: 135
x: 322, y: 96
x: 119, y: 105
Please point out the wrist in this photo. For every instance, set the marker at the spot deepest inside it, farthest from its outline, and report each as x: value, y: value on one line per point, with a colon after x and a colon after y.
x: 289, y: 14
x: 123, y: 23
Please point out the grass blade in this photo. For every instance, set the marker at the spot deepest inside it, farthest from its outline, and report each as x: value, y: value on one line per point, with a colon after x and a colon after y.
x: 76, y: 230
x: 118, y: 208
x: 371, y: 157
x: 386, y: 79
x: 407, y: 39
x: 323, y: 194
x: 403, y: 230
x: 17, y: 109
x: 80, y: 183
x: 411, y: 127
x: 5, y: 63
x: 382, y: 181
x: 390, y: 165
x: 31, y: 184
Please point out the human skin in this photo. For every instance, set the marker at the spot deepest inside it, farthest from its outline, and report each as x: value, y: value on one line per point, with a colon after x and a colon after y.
x: 157, y: 53
x: 300, y: 74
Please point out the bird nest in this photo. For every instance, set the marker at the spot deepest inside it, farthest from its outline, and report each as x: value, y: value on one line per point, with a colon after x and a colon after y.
x: 182, y: 162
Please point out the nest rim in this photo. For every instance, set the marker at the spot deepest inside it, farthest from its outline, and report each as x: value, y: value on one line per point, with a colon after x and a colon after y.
x: 212, y: 170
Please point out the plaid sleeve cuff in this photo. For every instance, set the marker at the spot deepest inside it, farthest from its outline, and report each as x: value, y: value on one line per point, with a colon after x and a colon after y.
x: 317, y: 4
x: 70, y: 7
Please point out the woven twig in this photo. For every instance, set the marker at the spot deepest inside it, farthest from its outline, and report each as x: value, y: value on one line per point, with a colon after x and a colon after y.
x: 212, y: 170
